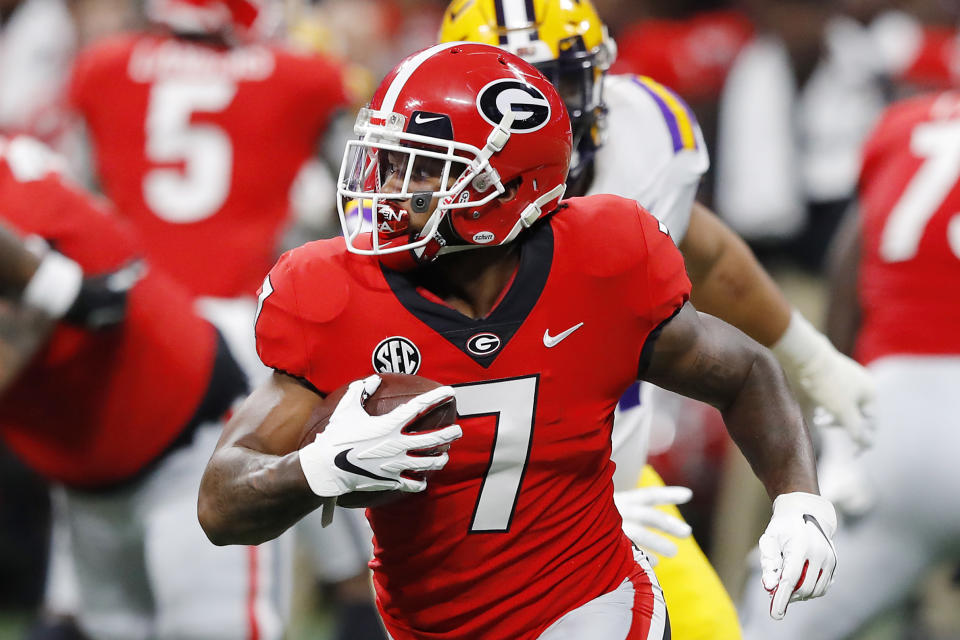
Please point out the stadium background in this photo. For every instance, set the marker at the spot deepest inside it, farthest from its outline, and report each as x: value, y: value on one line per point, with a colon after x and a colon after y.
x: 853, y: 55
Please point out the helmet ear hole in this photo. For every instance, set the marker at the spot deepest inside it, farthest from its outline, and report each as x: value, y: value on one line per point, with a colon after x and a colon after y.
x: 511, y: 188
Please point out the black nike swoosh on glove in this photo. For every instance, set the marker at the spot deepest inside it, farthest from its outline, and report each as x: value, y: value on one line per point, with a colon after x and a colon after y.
x: 809, y: 518
x: 343, y: 463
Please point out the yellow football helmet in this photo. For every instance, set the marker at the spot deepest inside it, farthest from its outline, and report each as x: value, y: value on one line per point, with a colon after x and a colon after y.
x: 564, y: 39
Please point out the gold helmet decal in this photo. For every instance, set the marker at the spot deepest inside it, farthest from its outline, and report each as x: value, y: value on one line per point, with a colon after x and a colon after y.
x: 564, y: 39
x: 535, y: 30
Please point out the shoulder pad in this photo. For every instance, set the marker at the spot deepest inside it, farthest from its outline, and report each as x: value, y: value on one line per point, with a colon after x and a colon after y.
x: 318, y: 280
x: 600, y: 233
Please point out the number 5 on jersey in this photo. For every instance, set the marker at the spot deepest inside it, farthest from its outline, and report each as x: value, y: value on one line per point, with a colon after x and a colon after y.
x: 197, y: 188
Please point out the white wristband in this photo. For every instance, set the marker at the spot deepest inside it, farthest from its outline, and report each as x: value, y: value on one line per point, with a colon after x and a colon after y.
x: 800, y: 343
x: 55, y: 284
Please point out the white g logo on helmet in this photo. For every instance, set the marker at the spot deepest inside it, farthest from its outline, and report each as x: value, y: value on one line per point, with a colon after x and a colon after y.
x: 530, y: 107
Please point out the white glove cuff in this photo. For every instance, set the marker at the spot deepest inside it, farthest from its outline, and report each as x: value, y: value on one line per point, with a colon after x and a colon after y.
x: 799, y: 344
x: 799, y: 503
x: 55, y: 284
x: 315, y: 463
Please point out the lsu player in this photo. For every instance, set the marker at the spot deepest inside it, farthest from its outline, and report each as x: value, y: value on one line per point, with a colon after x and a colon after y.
x: 489, y: 282
x: 113, y: 387
x: 896, y: 274
x: 636, y: 138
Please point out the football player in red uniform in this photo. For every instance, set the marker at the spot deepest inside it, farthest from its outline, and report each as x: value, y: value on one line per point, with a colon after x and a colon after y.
x: 539, y: 313
x: 894, y: 305
x: 199, y: 128
x: 112, y: 387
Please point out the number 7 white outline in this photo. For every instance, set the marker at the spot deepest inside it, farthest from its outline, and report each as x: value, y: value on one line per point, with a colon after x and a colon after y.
x: 514, y: 403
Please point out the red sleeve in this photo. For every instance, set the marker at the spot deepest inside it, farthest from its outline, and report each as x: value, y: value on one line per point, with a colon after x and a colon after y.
x: 280, y: 331
x: 86, y: 216
x: 667, y: 285
x: 38, y: 200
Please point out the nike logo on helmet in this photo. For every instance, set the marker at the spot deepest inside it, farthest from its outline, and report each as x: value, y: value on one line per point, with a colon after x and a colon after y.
x: 343, y: 463
x: 552, y: 341
x: 419, y: 119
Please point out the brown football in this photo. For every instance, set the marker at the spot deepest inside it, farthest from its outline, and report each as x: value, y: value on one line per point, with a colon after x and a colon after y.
x: 394, y: 390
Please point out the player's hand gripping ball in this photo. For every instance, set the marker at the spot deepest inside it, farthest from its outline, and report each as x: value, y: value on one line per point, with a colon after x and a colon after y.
x: 394, y: 390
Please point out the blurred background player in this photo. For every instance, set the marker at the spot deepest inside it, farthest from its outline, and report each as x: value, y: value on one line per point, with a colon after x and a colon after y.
x: 636, y: 138
x: 115, y: 389
x: 896, y: 273
x: 199, y: 128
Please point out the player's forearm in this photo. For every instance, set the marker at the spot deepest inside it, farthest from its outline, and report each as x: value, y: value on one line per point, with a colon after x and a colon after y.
x: 765, y: 421
x: 23, y: 331
x: 728, y: 281
x: 706, y: 359
x: 17, y: 264
x: 248, y: 497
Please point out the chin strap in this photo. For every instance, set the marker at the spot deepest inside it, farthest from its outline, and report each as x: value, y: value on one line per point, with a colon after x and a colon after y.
x: 495, y: 142
x: 534, y: 210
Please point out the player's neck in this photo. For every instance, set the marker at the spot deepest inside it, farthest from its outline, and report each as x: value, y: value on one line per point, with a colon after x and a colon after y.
x: 581, y: 185
x: 472, y: 281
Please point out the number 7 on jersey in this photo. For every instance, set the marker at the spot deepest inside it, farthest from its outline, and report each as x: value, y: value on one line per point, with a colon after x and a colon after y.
x: 513, y: 402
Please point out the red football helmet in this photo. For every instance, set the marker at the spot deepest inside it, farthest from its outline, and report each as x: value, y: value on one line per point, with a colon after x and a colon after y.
x: 245, y: 20
x: 481, y: 120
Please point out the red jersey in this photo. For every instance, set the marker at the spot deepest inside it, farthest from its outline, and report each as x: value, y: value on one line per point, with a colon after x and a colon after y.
x: 200, y: 146
x: 692, y: 56
x: 94, y: 408
x: 520, y: 526
x: 910, y: 207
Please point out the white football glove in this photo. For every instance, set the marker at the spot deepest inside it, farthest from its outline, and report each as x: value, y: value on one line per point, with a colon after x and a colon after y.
x: 797, y: 556
x: 826, y: 378
x: 360, y: 452
x: 643, y: 522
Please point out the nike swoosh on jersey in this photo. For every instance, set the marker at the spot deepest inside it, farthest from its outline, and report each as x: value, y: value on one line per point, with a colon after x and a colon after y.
x: 419, y: 119
x: 343, y: 463
x: 552, y: 341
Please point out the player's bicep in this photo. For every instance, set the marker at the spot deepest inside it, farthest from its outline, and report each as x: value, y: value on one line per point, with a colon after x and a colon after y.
x: 701, y: 357
x: 271, y: 420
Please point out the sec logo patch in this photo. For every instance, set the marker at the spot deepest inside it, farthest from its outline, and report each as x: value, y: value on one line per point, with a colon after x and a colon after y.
x: 396, y: 354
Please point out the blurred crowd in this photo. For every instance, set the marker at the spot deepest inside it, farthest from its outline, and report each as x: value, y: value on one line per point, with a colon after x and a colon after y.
x: 785, y: 91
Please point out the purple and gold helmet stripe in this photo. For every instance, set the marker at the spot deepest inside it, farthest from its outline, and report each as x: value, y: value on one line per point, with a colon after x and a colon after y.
x: 680, y: 120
